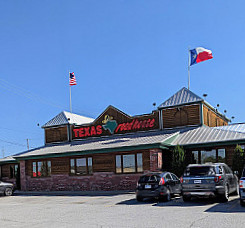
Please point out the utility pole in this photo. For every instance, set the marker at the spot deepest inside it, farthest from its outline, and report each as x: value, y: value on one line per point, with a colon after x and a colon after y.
x: 27, y: 140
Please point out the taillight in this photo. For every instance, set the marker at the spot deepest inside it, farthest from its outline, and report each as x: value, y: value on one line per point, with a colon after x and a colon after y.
x: 162, y: 181
x: 217, y: 178
x: 181, y: 180
x: 241, y: 184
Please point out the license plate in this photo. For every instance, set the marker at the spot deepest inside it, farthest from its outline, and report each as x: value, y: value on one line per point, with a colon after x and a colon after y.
x: 147, y: 186
x: 197, y: 181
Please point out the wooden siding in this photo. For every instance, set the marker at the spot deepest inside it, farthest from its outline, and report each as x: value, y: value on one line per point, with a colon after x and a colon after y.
x: 181, y: 116
x: 211, y: 119
x: 6, y: 170
x: 60, y: 165
x: 57, y: 134
x: 103, y: 163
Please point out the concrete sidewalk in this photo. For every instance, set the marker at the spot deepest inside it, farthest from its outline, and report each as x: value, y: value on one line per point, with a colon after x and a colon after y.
x: 72, y: 193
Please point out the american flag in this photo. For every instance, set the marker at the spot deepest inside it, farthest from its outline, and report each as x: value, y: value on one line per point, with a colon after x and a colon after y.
x: 72, y: 79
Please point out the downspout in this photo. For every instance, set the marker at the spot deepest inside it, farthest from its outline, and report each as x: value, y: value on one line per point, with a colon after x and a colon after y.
x: 160, y: 119
x: 201, y: 114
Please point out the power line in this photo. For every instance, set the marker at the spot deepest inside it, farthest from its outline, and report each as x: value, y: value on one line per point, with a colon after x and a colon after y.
x: 13, y: 143
x: 30, y: 95
x: 23, y: 92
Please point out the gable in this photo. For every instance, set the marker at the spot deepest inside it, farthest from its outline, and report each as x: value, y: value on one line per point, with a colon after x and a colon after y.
x: 113, y: 121
x: 183, y: 96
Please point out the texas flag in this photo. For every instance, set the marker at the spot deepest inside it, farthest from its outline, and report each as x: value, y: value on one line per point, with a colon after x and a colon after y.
x: 200, y: 54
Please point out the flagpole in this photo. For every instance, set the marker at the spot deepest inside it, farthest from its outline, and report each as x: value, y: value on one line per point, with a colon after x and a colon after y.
x: 70, y: 94
x: 188, y: 68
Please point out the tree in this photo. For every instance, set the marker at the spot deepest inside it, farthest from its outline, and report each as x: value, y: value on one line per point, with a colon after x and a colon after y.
x: 178, y: 161
x: 238, y: 160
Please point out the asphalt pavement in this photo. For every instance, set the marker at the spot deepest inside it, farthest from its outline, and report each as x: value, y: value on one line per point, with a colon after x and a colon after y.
x: 115, y: 209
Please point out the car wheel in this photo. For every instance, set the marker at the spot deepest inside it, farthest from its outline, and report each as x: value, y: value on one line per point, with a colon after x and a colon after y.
x: 242, y: 203
x: 186, y: 198
x: 8, y: 192
x: 225, y: 196
x: 167, y: 197
x: 139, y: 198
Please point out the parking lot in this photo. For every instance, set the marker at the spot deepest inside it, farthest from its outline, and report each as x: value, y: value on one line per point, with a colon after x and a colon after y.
x: 115, y: 210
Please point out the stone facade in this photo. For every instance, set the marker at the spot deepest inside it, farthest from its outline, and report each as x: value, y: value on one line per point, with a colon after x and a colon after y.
x: 96, y: 182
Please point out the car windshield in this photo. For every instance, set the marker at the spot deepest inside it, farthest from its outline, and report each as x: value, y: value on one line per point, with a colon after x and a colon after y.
x: 199, y: 171
x: 151, y: 178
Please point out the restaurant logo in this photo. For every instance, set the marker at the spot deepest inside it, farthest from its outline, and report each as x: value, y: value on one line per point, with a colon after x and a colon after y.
x: 109, y: 124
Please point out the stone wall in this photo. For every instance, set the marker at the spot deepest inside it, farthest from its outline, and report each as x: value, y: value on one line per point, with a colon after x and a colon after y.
x: 96, y: 182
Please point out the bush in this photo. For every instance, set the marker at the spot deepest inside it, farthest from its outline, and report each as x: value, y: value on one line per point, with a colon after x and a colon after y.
x: 178, y: 161
x: 238, y: 160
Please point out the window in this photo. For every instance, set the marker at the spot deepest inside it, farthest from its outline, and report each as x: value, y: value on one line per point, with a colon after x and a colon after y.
x: 208, y: 156
x: 168, y: 177
x: 195, y: 157
x: 129, y: 163
x: 139, y: 163
x: 174, y: 177
x: 81, y: 166
x: 41, y: 169
x: 14, y: 171
x: 118, y: 164
x: 221, y: 155
x: 199, y: 171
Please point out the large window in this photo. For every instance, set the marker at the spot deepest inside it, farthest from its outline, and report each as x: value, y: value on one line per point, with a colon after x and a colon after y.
x: 209, y: 156
x: 41, y: 168
x: 129, y: 163
x: 221, y: 155
x: 81, y: 166
x: 195, y: 157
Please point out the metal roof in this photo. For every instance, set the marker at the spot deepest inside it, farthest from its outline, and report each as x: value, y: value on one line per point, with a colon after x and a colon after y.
x: 183, y: 96
x: 129, y: 140
x: 8, y: 159
x: 66, y: 117
x: 233, y: 127
x: 185, y: 136
x: 204, y: 135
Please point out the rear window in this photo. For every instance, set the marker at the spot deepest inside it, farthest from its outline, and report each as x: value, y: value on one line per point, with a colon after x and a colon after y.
x: 199, y: 171
x: 147, y: 179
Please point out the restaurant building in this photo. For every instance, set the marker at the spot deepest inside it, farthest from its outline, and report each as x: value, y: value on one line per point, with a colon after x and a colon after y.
x: 113, y: 150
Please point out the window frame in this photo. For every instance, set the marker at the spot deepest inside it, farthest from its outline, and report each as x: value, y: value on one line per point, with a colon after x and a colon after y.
x: 135, y: 162
x: 47, y: 168
x: 75, y: 166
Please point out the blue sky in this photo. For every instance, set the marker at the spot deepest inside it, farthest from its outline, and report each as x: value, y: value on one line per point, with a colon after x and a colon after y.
x: 126, y: 53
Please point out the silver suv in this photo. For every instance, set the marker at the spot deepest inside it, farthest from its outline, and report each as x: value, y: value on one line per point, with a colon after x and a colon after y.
x: 209, y: 180
x: 242, y: 188
x: 6, y: 188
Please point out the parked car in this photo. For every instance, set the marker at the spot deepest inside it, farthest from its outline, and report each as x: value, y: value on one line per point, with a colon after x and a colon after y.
x: 209, y: 180
x: 158, y: 185
x: 242, y: 188
x: 6, y: 188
